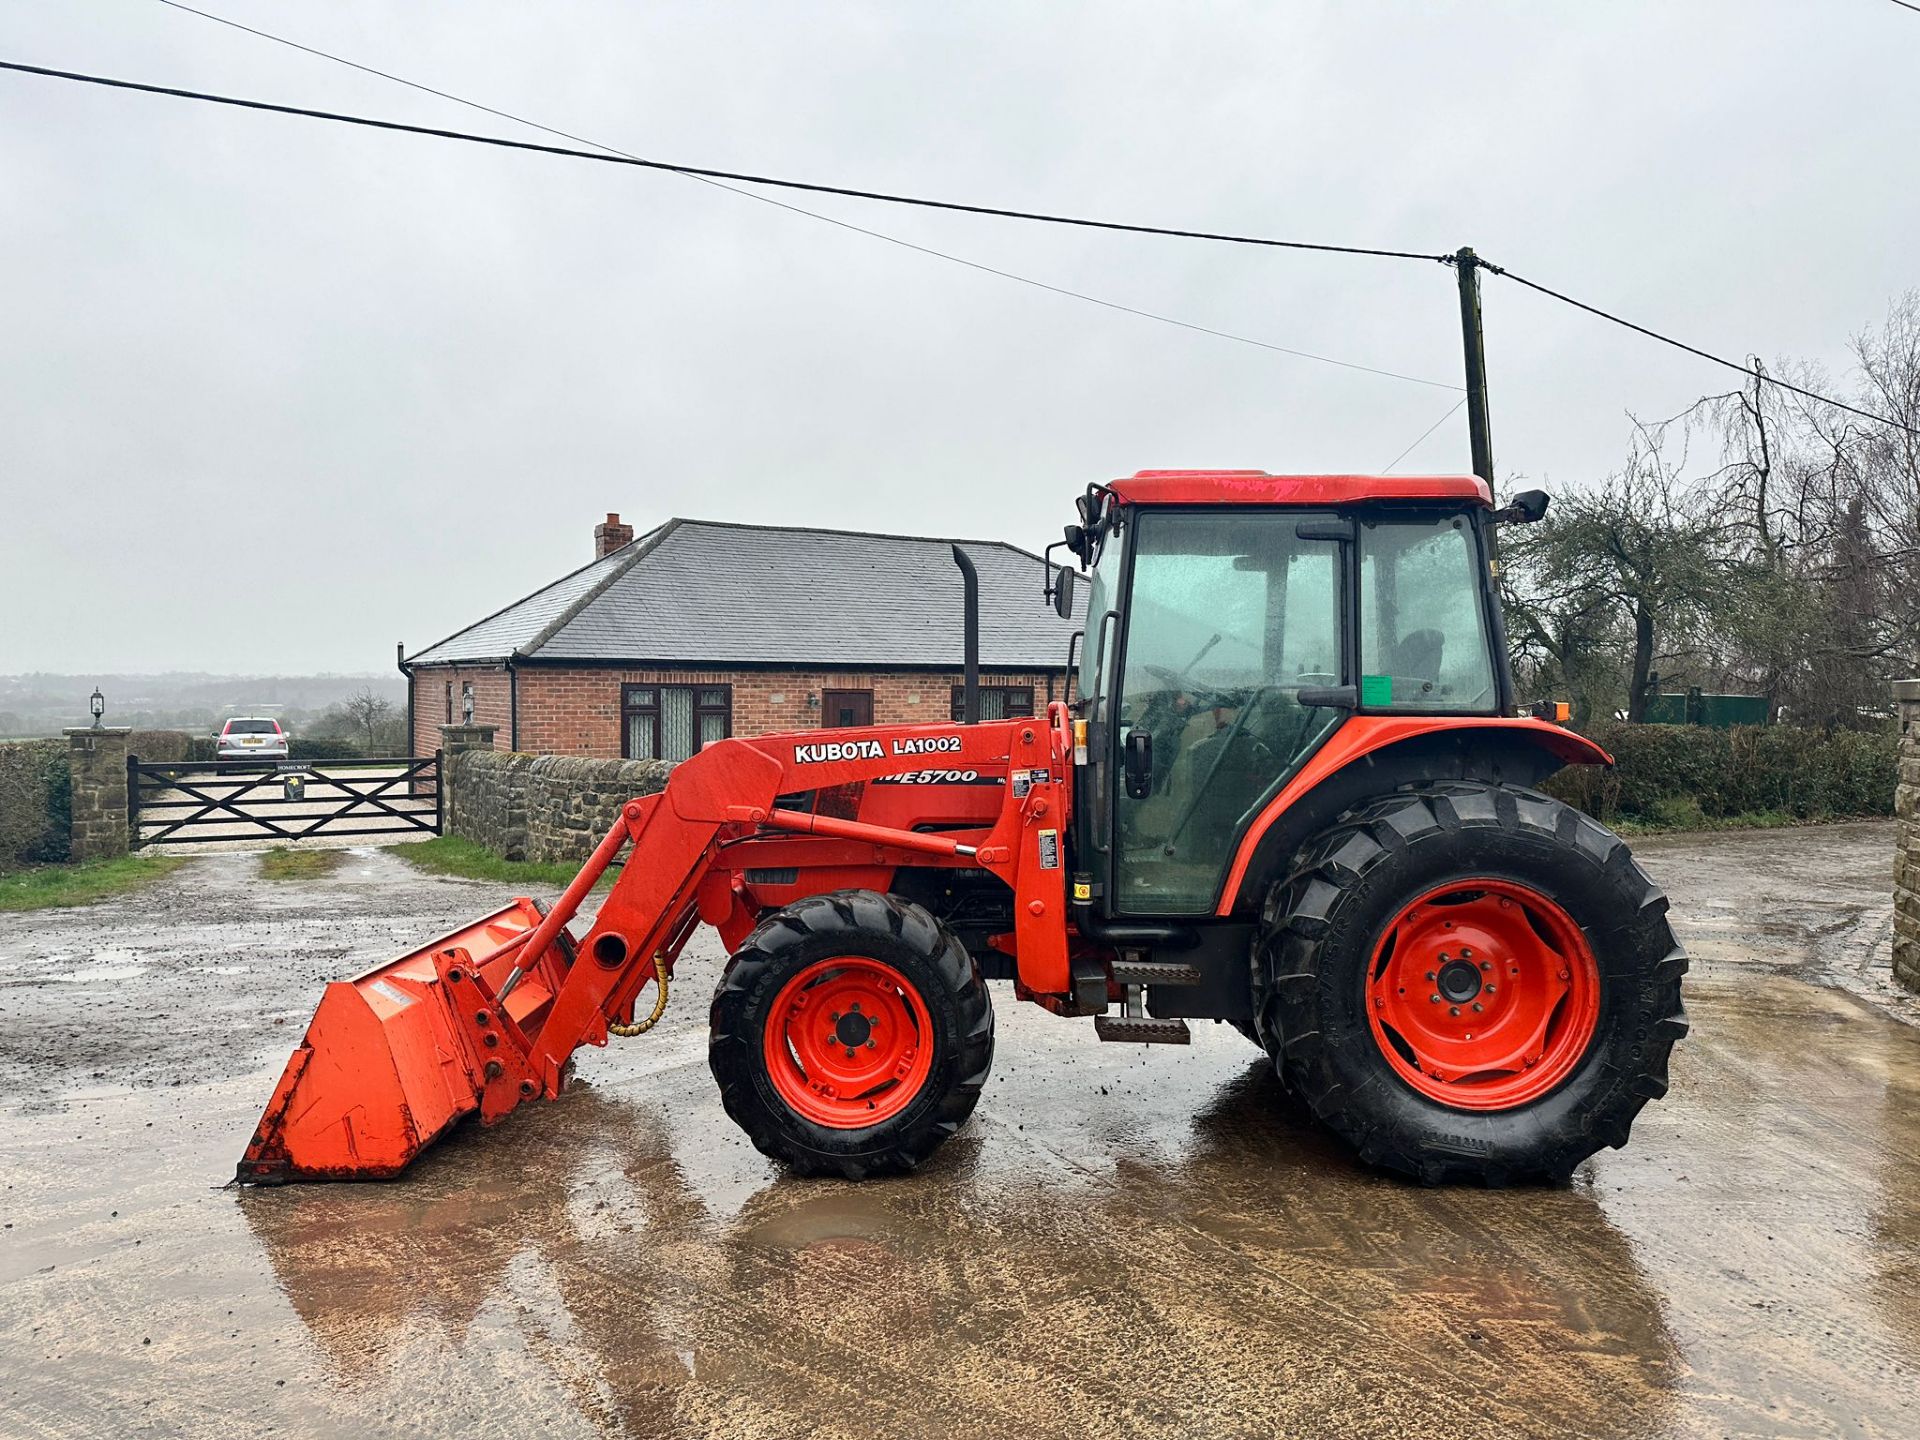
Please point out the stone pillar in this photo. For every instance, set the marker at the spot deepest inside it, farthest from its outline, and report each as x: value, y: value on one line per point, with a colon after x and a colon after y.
x: 454, y: 741
x: 455, y: 738
x: 1906, y: 855
x: 98, y: 758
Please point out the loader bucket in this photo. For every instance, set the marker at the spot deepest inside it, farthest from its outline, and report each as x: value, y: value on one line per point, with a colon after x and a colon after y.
x: 398, y: 1055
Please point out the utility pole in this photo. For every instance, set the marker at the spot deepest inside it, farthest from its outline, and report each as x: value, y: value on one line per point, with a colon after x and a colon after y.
x: 1467, y: 268
x: 1480, y: 428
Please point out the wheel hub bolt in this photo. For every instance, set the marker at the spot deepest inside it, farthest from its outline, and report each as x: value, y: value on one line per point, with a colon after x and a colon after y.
x: 873, y: 1044
x: 1477, y: 1007
x: 849, y: 1054
x: 1434, y: 998
x: 1486, y: 965
x: 1453, y: 1009
x: 833, y: 1015
x: 1430, y: 973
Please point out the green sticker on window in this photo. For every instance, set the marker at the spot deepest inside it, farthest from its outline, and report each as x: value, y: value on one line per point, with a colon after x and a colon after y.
x: 1376, y: 690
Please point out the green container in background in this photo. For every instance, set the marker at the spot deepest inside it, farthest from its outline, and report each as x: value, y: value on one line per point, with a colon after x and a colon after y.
x: 1719, y: 712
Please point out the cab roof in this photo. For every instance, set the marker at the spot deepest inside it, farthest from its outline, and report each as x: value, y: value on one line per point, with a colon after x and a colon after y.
x: 1257, y: 487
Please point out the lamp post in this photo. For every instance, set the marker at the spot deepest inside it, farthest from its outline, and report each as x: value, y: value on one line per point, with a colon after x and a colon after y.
x: 98, y: 704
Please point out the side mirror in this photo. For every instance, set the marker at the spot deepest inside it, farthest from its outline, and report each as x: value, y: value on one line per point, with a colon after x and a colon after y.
x: 1525, y: 508
x: 1138, y: 756
x: 1063, y: 593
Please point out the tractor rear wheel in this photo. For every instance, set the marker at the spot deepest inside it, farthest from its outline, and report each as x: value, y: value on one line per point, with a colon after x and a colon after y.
x: 1470, y: 982
x: 850, y: 1035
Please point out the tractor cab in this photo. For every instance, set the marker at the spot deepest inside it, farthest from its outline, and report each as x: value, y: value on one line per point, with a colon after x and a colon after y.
x: 1236, y: 621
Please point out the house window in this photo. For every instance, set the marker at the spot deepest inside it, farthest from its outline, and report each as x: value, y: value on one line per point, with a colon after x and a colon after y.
x: 997, y: 702
x: 672, y: 722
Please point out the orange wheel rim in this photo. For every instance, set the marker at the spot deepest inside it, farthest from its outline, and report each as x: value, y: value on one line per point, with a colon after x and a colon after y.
x: 849, y: 1042
x: 1483, y: 994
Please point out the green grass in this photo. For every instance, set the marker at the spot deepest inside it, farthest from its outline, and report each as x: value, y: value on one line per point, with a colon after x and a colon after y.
x: 50, y: 887
x: 450, y: 855
x: 281, y: 863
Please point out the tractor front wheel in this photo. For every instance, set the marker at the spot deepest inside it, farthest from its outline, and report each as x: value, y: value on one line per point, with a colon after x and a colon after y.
x: 850, y: 1035
x: 1470, y: 981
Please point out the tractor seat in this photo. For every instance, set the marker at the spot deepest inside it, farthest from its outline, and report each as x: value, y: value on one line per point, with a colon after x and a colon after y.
x: 1417, y: 656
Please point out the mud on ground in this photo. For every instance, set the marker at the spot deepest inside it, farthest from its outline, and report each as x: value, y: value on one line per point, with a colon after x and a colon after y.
x: 1123, y: 1241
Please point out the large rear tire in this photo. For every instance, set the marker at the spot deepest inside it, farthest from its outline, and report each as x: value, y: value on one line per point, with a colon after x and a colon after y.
x: 850, y: 1035
x: 1470, y: 982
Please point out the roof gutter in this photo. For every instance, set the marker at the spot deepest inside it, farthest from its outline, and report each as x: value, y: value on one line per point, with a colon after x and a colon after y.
x: 400, y: 660
x: 513, y: 702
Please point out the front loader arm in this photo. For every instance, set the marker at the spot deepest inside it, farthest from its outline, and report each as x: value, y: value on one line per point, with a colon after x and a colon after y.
x: 488, y: 1017
x: 730, y: 789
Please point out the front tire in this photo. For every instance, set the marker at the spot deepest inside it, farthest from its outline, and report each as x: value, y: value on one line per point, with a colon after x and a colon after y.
x: 1470, y: 982
x: 850, y: 1035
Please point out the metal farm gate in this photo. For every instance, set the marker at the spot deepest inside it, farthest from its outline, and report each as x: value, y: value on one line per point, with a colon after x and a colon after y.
x: 202, y: 801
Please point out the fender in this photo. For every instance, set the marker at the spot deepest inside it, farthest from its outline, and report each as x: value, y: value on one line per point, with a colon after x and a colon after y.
x: 1357, y: 761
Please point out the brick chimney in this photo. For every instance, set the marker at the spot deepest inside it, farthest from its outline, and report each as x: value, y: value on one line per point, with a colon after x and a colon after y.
x: 610, y: 536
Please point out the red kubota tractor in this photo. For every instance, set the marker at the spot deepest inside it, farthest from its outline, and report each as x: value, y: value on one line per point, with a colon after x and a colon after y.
x: 1291, y: 795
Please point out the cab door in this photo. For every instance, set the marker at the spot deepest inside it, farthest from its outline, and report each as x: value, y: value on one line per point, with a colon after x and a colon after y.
x: 1230, y: 618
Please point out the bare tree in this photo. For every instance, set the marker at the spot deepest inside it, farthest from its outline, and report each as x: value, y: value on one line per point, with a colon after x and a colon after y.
x: 368, y: 714
x: 1636, y: 565
x: 1786, y: 564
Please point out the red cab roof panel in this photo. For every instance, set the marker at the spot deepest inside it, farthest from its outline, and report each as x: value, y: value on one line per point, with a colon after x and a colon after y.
x: 1257, y: 487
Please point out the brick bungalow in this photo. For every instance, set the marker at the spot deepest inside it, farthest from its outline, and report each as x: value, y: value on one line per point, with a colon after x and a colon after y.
x: 699, y: 629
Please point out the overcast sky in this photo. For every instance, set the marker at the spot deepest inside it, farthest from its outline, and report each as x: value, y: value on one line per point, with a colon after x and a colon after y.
x: 275, y: 394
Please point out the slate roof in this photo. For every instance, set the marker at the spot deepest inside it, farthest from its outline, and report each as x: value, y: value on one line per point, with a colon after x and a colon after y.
x: 708, y: 593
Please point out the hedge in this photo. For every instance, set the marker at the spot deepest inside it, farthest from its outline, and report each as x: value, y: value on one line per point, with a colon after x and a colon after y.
x: 36, y: 794
x: 1676, y: 774
x: 161, y: 746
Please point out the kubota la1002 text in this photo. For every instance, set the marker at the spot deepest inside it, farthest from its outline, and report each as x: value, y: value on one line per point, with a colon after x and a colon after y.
x: 1292, y: 795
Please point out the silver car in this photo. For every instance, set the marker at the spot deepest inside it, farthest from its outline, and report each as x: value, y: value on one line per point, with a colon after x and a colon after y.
x: 246, y: 737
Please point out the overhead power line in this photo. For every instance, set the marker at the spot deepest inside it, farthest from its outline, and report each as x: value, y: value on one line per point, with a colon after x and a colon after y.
x: 1744, y: 369
x: 620, y: 158
x: 609, y: 157
x: 927, y: 250
x: 1388, y: 467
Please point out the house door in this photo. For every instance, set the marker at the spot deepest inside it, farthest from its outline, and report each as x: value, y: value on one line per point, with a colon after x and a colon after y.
x: 846, y: 707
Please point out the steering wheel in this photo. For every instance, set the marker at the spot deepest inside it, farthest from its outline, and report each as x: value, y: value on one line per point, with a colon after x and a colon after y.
x: 1204, y: 697
x: 1262, y: 752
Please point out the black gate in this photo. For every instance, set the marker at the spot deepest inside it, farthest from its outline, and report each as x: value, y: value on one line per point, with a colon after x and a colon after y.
x: 202, y: 801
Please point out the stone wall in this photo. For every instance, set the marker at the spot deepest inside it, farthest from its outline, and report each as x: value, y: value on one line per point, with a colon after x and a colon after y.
x: 572, y: 801
x: 1906, y: 855
x: 484, y: 799
x: 548, y: 808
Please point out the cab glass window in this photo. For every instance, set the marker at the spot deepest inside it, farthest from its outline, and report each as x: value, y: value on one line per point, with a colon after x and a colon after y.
x: 1423, y: 618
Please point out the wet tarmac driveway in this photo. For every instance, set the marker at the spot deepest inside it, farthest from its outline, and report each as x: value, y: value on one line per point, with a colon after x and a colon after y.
x: 1123, y: 1242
